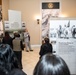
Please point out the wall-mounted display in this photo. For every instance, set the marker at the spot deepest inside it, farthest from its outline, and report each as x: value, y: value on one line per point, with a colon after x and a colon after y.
x: 14, y: 19
x: 23, y: 26
x: 7, y: 25
x: 49, y: 10
x: 62, y: 35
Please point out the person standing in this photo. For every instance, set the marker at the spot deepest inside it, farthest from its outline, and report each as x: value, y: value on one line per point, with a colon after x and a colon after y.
x: 17, y: 48
x: 45, y: 48
x: 27, y: 40
x: 7, y: 39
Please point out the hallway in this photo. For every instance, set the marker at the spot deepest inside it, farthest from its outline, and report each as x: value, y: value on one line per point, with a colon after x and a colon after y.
x: 29, y: 60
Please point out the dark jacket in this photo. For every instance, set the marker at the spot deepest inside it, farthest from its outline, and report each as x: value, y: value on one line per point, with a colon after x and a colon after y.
x: 8, y: 40
x: 45, y: 48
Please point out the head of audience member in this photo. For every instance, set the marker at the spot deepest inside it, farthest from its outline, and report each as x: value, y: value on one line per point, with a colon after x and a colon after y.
x: 6, y: 34
x: 8, y: 61
x: 16, y: 35
x: 51, y: 64
x: 46, y: 40
x: 17, y: 72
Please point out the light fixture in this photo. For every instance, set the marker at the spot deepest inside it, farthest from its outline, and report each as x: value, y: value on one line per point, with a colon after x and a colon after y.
x: 37, y: 21
x: 37, y: 18
x: 62, y: 15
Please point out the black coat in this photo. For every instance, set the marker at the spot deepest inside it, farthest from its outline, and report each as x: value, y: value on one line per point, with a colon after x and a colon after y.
x: 45, y: 48
x: 8, y: 40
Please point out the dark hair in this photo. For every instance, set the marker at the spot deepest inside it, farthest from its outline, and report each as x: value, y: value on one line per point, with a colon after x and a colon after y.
x: 51, y: 64
x: 6, y: 33
x: 17, y: 35
x: 17, y: 72
x: 46, y: 40
x: 7, y: 58
x: 2, y: 71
